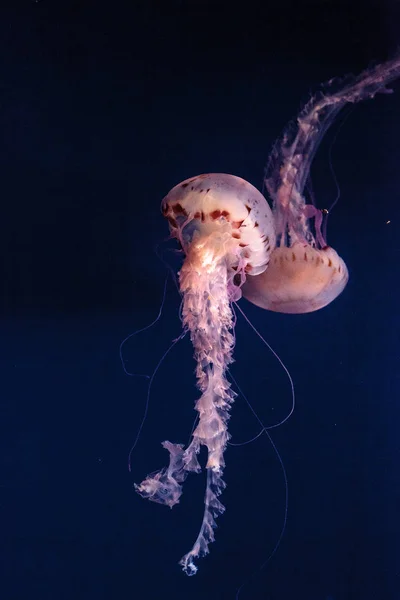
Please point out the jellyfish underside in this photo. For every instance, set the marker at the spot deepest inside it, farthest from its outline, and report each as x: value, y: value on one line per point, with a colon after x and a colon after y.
x: 299, y: 279
x: 304, y: 273
x: 235, y: 245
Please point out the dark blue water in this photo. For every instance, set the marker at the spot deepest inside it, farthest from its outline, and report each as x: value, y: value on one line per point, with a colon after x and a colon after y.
x: 103, y: 108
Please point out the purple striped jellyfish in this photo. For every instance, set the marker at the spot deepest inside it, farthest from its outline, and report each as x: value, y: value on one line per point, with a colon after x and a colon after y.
x: 226, y: 229
x: 304, y: 273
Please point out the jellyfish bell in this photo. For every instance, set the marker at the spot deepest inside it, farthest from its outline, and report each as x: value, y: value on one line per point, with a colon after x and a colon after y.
x: 217, y: 217
x: 304, y: 273
x: 299, y: 279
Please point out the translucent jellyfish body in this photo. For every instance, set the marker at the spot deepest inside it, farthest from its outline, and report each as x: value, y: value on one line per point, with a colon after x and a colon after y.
x: 305, y: 274
x: 225, y: 227
x: 230, y: 215
x: 299, y: 279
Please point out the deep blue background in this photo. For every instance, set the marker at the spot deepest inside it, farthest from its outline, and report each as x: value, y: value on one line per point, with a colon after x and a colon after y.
x: 103, y: 108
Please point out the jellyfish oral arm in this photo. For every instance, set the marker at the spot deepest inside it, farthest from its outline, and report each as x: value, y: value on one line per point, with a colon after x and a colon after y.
x: 207, y: 314
x: 290, y: 161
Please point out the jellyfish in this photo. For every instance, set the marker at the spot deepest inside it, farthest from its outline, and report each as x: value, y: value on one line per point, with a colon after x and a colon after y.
x: 235, y: 245
x: 305, y: 274
x: 225, y: 227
